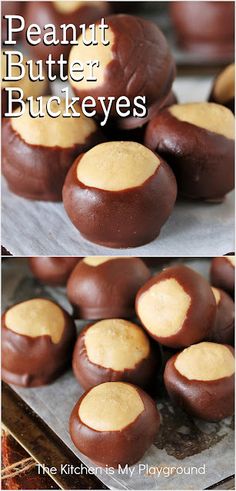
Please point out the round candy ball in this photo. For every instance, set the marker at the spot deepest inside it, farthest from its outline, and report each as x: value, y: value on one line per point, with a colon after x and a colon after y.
x: 197, y: 141
x: 114, y: 424
x: 200, y: 380
x: 176, y: 307
x: 119, y: 194
x: 44, y: 149
x: 37, y: 342
x: 114, y: 350
x: 135, y: 61
x: 52, y: 270
x: 103, y: 287
x: 206, y: 29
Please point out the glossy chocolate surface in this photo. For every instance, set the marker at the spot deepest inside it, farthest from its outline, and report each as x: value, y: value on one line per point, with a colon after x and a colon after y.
x: 127, y: 218
x: 203, y: 161
x: 34, y: 361
x: 112, y: 448
x: 209, y: 400
x: 201, y: 312
x: 142, y: 64
x: 107, y: 290
x: 38, y: 172
x: 90, y: 374
x: 52, y: 270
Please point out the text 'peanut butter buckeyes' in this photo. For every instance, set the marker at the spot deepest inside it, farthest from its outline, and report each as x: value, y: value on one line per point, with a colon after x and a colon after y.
x: 103, y: 287
x: 223, y: 273
x: 58, y: 13
x: 114, y: 424
x: 197, y: 141
x: 200, y: 379
x: 52, y: 270
x: 135, y: 61
x: 177, y: 307
x: 119, y: 194
x: 223, y: 90
x: 37, y: 152
x: 37, y: 342
x: 113, y: 350
x: 223, y: 328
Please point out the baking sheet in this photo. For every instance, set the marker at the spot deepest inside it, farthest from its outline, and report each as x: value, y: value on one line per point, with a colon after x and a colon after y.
x: 183, y: 442
x: 38, y: 228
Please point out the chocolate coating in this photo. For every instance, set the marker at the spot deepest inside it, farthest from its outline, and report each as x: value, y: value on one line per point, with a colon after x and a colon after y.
x: 202, y: 161
x: 43, y: 13
x: 123, y: 447
x: 205, y: 28
x: 90, y: 374
x: 210, y: 400
x: 200, y: 315
x: 34, y: 361
x: 38, y: 172
x: 222, y: 274
x: 108, y: 290
x: 52, y: 270
x: 141, y: 65
x: 223, y: 329
x: 126, y: 218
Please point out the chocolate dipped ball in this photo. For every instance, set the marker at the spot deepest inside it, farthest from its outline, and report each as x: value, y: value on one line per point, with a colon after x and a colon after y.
x: 37, y: 342
x: 52, y: 270
x: 222, y: 273
x: 205, y: 28
x: 223, y: 90
x: 103, y: 287
x: 176, y: 307
x: 119, y: 194
x: 28, y: 87
x: 114, y: 424
x: 197, y: 141
x: 200, y: 380
x: 58, y: 13
x: 135, y: 61
x: 113, y: 350
x: 35, y: 166
x: 223, y: 328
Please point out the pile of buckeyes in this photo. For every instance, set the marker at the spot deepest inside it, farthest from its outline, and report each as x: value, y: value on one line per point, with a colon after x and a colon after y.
x: 119, y: 183
x: 118, y: 358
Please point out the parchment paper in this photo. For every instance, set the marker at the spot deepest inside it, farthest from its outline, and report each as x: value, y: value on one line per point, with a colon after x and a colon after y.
x: 182, y: 441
